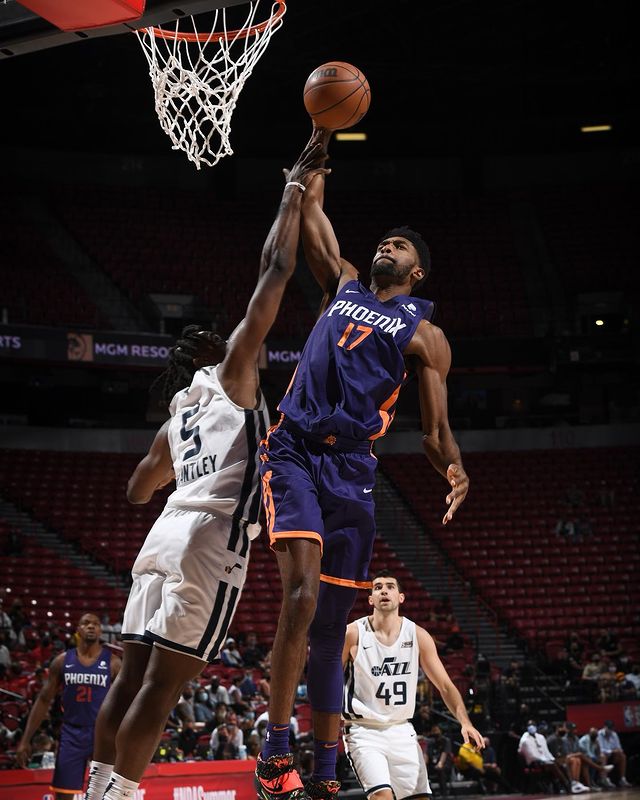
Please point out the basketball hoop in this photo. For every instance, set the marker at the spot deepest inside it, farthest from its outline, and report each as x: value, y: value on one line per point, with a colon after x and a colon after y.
x: 197, y: 77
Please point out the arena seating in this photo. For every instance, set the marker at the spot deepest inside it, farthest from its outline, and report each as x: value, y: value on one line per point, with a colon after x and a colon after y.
x: 81, y: 496
x: 504, y: 540
x: 36, y: 287
x: 150, y: 241
x: 592, y: 235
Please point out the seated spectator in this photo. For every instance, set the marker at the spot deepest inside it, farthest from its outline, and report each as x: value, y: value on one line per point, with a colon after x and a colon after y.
x: 633, y: 677
x: 230, y: 655
x: 247, y: 685
x: 6, y: 626
x: 17, y: 679
x: 590, y: 746
x: 608, y: 684
x: 565, y: 667
x: 218, y: 692
x: 534, y: 751
x: 421, y: 720
x: 613, y: 753
x: 455, y: 640
x: 235, y: 694
x: 493, y: 777
x: 35, y: 684
x: 591, y: 772
x: 227, y: 733
x: 203, y: 709
x: 575, y: 646
x: 252, y: 652
x: 608, y: 644
x: 440, y: 758
x: 42, y: 752
x: 570, y: 762
x: 264, y: 684
x: 591, y: 677
x: 5, y: 653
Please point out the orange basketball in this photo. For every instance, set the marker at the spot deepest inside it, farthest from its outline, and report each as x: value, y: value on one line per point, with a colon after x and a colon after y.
x: 336, y: 95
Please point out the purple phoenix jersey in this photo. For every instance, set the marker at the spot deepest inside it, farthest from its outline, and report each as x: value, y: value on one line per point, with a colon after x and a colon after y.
x: 84, y: 688
x: 351, y: 370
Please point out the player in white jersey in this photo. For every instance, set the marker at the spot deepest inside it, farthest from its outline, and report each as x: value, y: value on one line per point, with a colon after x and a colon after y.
x: 189, y: 573
x: 381, y: 657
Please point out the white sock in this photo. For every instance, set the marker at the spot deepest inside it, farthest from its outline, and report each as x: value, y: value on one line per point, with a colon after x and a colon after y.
x: 120, y: 788
x: 99, y: 777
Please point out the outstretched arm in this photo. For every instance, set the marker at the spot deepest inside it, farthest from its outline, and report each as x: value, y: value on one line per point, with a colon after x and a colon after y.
x: 433, y: 353
x: 238, y: 371
x: 321, y: 247
x: 435, y: 670
x: 154, y: 471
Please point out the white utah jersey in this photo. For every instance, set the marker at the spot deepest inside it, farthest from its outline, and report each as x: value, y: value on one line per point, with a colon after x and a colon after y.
x: 380, y: 684
x: 214, y: 447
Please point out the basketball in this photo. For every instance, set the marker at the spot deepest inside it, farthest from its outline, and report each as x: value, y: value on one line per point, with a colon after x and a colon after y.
x: 336, y: 95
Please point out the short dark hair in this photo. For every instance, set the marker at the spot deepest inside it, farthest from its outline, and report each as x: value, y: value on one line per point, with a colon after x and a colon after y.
x: 424, y: 254
x: 384, y: 573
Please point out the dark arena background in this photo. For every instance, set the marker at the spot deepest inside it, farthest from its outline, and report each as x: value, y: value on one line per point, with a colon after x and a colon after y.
x: 507, y: 133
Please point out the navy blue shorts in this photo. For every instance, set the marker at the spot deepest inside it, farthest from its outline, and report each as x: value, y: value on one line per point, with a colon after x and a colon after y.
x: 313, y: 490
x: 74, y: 753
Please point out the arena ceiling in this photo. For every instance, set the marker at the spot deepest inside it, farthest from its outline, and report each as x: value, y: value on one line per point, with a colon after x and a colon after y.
x: 448, y: 77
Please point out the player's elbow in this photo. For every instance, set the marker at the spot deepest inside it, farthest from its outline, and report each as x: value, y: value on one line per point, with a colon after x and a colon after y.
x: 135, y: 495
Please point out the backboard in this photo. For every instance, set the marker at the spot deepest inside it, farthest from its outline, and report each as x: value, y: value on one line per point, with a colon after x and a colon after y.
x: 22, y: 30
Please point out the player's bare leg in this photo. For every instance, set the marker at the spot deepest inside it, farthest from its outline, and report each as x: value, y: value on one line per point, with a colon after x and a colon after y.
x: 135, y: 659
x: 144, y: 722
x: 299, y: 565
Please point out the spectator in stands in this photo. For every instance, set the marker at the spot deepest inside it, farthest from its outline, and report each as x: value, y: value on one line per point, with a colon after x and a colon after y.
x: 611, y: 749
x: 565, y: 667
x: 17, y: 679
x: 248, y: 686
x: 591, y: 772
x: 178, y: 613
x: 575, y: 646
x: 252, y: 652
x: 219, y: 693
x: 455, y: 640
x: 440, y: 758
x: 5, y: 654
x: 591, y: 676
x: 504, y: 701
x: 35, y: 684
x: 230, y: 655
x: 608, y: 644
x: 203, y: 709
x: 492, y: 772
x: 110, y: 630
x: 421, y: 720
x: 6, y: 626
x: 220, y: 712
x: 534, y: 751
x: 633, y: 677
x: 42, y: 752
x: 185, y: 710
x: 590, y: 746
x: 235, y: 694
x: 264, y: 685
x: 608, y: 684
x: 19, y: 618
x: 569, y: 761
x: 227, y: 732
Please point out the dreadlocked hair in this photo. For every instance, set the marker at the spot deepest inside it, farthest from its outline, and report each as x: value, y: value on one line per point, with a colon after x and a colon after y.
x: 193, y: 343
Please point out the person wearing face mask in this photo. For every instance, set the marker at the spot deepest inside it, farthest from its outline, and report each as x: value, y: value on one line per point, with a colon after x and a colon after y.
x: 533, y: 750
x: 571, y: 763
x: 613, y: 753
x: 203, y: 710
x: 590, y: 747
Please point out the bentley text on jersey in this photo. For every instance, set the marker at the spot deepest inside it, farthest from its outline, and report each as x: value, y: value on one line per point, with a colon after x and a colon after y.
x: 206, y: 465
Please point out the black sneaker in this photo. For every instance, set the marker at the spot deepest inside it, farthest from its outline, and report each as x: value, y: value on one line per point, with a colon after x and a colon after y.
x: 276, y: 779
x: 322, y: 790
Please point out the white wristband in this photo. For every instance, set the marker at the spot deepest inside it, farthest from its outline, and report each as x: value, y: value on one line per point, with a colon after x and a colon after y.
x: 300, y: 186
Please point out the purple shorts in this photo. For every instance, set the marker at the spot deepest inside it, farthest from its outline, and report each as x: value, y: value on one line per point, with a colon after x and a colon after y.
x: 74, y: 753
x: 313, y: 490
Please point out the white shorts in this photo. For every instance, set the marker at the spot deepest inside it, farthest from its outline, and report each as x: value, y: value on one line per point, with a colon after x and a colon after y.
x: 387, y: 758
x: 187, y: 581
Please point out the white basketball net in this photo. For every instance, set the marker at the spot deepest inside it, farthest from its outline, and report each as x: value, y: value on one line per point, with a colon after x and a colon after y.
x: 197, y: 83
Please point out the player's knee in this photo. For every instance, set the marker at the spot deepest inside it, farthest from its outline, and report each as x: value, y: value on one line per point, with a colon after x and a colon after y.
x: 299, y: 606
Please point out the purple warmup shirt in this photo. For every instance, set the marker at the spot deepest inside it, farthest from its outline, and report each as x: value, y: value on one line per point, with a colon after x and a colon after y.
x: 84, y: 688
x: 352, y: 366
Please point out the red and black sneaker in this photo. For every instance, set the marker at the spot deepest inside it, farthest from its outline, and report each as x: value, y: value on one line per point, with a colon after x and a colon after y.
x: 322, y: 790
x: 277, y: 779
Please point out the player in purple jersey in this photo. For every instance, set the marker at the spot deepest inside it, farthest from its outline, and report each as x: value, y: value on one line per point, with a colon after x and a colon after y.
x: 83, y: 674
x: 185, y: 586
x: 318, y: 470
